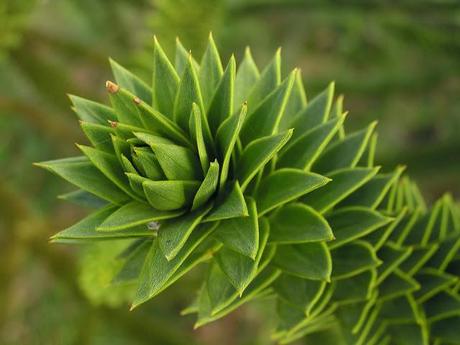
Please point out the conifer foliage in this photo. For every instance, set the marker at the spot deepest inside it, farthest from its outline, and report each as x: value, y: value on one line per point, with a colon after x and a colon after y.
x: 233, y: 167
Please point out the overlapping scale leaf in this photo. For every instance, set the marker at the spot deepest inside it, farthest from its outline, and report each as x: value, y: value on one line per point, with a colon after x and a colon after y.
x: 233, y: 167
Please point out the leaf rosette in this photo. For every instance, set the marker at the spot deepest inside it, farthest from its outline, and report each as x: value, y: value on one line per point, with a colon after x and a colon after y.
x: 234, y: 168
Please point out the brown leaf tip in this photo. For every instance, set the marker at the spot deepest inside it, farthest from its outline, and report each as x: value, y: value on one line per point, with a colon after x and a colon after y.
x: 111, y: 86
x: 113, y: 124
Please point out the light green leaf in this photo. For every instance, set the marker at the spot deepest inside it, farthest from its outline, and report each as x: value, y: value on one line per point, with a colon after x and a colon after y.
x: 297, y: 101
x: 90, y: 111
x: 298, y: 223
x: 198, y: 134
x: 170, y: 195
x: 210, y: 71
x: 344, y: 182
x: 264, y: 119
x: 269, y: 79
x: 86, y: 229
x: 131, y: 82
x: 182, y: 57
x: 157, y: 270
x: 98, y: 135
x: 303, y: 152
x: 257, y: 154
x: 305, y: 260
x: 109, y: 165
x: 344, y: 153
x: 149, y: 163
x: 241, y: 234
x: 134, y: 214
x: 187, y: 93
x: 159, y: 123
x: 226, y: 137
x: 231, y: 205
x: 123, y: 103
x: 83, y: 174
x: 177, y: 162
x: 246, y: 78
x: 352, y: 259
x: 285, y: 185
x: 221, y: 106
x: 208, y: 187
x: 316, y: 112
x: 174, y: 233
x: 354, y: 222
x: 240, y: 269
x: 165, y: 82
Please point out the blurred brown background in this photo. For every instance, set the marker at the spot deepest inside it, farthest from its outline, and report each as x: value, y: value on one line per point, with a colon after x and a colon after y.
x: 398, y: 62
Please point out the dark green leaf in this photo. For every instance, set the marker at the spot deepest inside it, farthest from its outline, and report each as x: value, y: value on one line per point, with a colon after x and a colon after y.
x: 303, y: 152
x: 305, y: 260
x: 230, y: 206
x: 174, y: 233
x: 241, y: 234
x: 344, y: 153
x: 352, y: 259
x: 285, y: 185
x: 298, y: 223
x: 221, y: 106
x: 316, y: 112
x: 157, y: 270
x: 257, y: 154
x: 351, y: 223
x: 344, y: 182
x: 265, y: 119
x: 109, y: 165
x: 83, y: 174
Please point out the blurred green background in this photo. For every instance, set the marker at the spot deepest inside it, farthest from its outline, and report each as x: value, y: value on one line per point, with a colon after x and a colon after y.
x: 398, y: 62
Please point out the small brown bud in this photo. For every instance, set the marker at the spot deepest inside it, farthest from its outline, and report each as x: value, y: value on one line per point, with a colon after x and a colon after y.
x: 113, y: 124
x: 137, y: 100
x: 111, y: 87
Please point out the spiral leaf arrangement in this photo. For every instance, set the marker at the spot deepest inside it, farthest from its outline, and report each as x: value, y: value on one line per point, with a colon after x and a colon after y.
x: 233, y: 167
